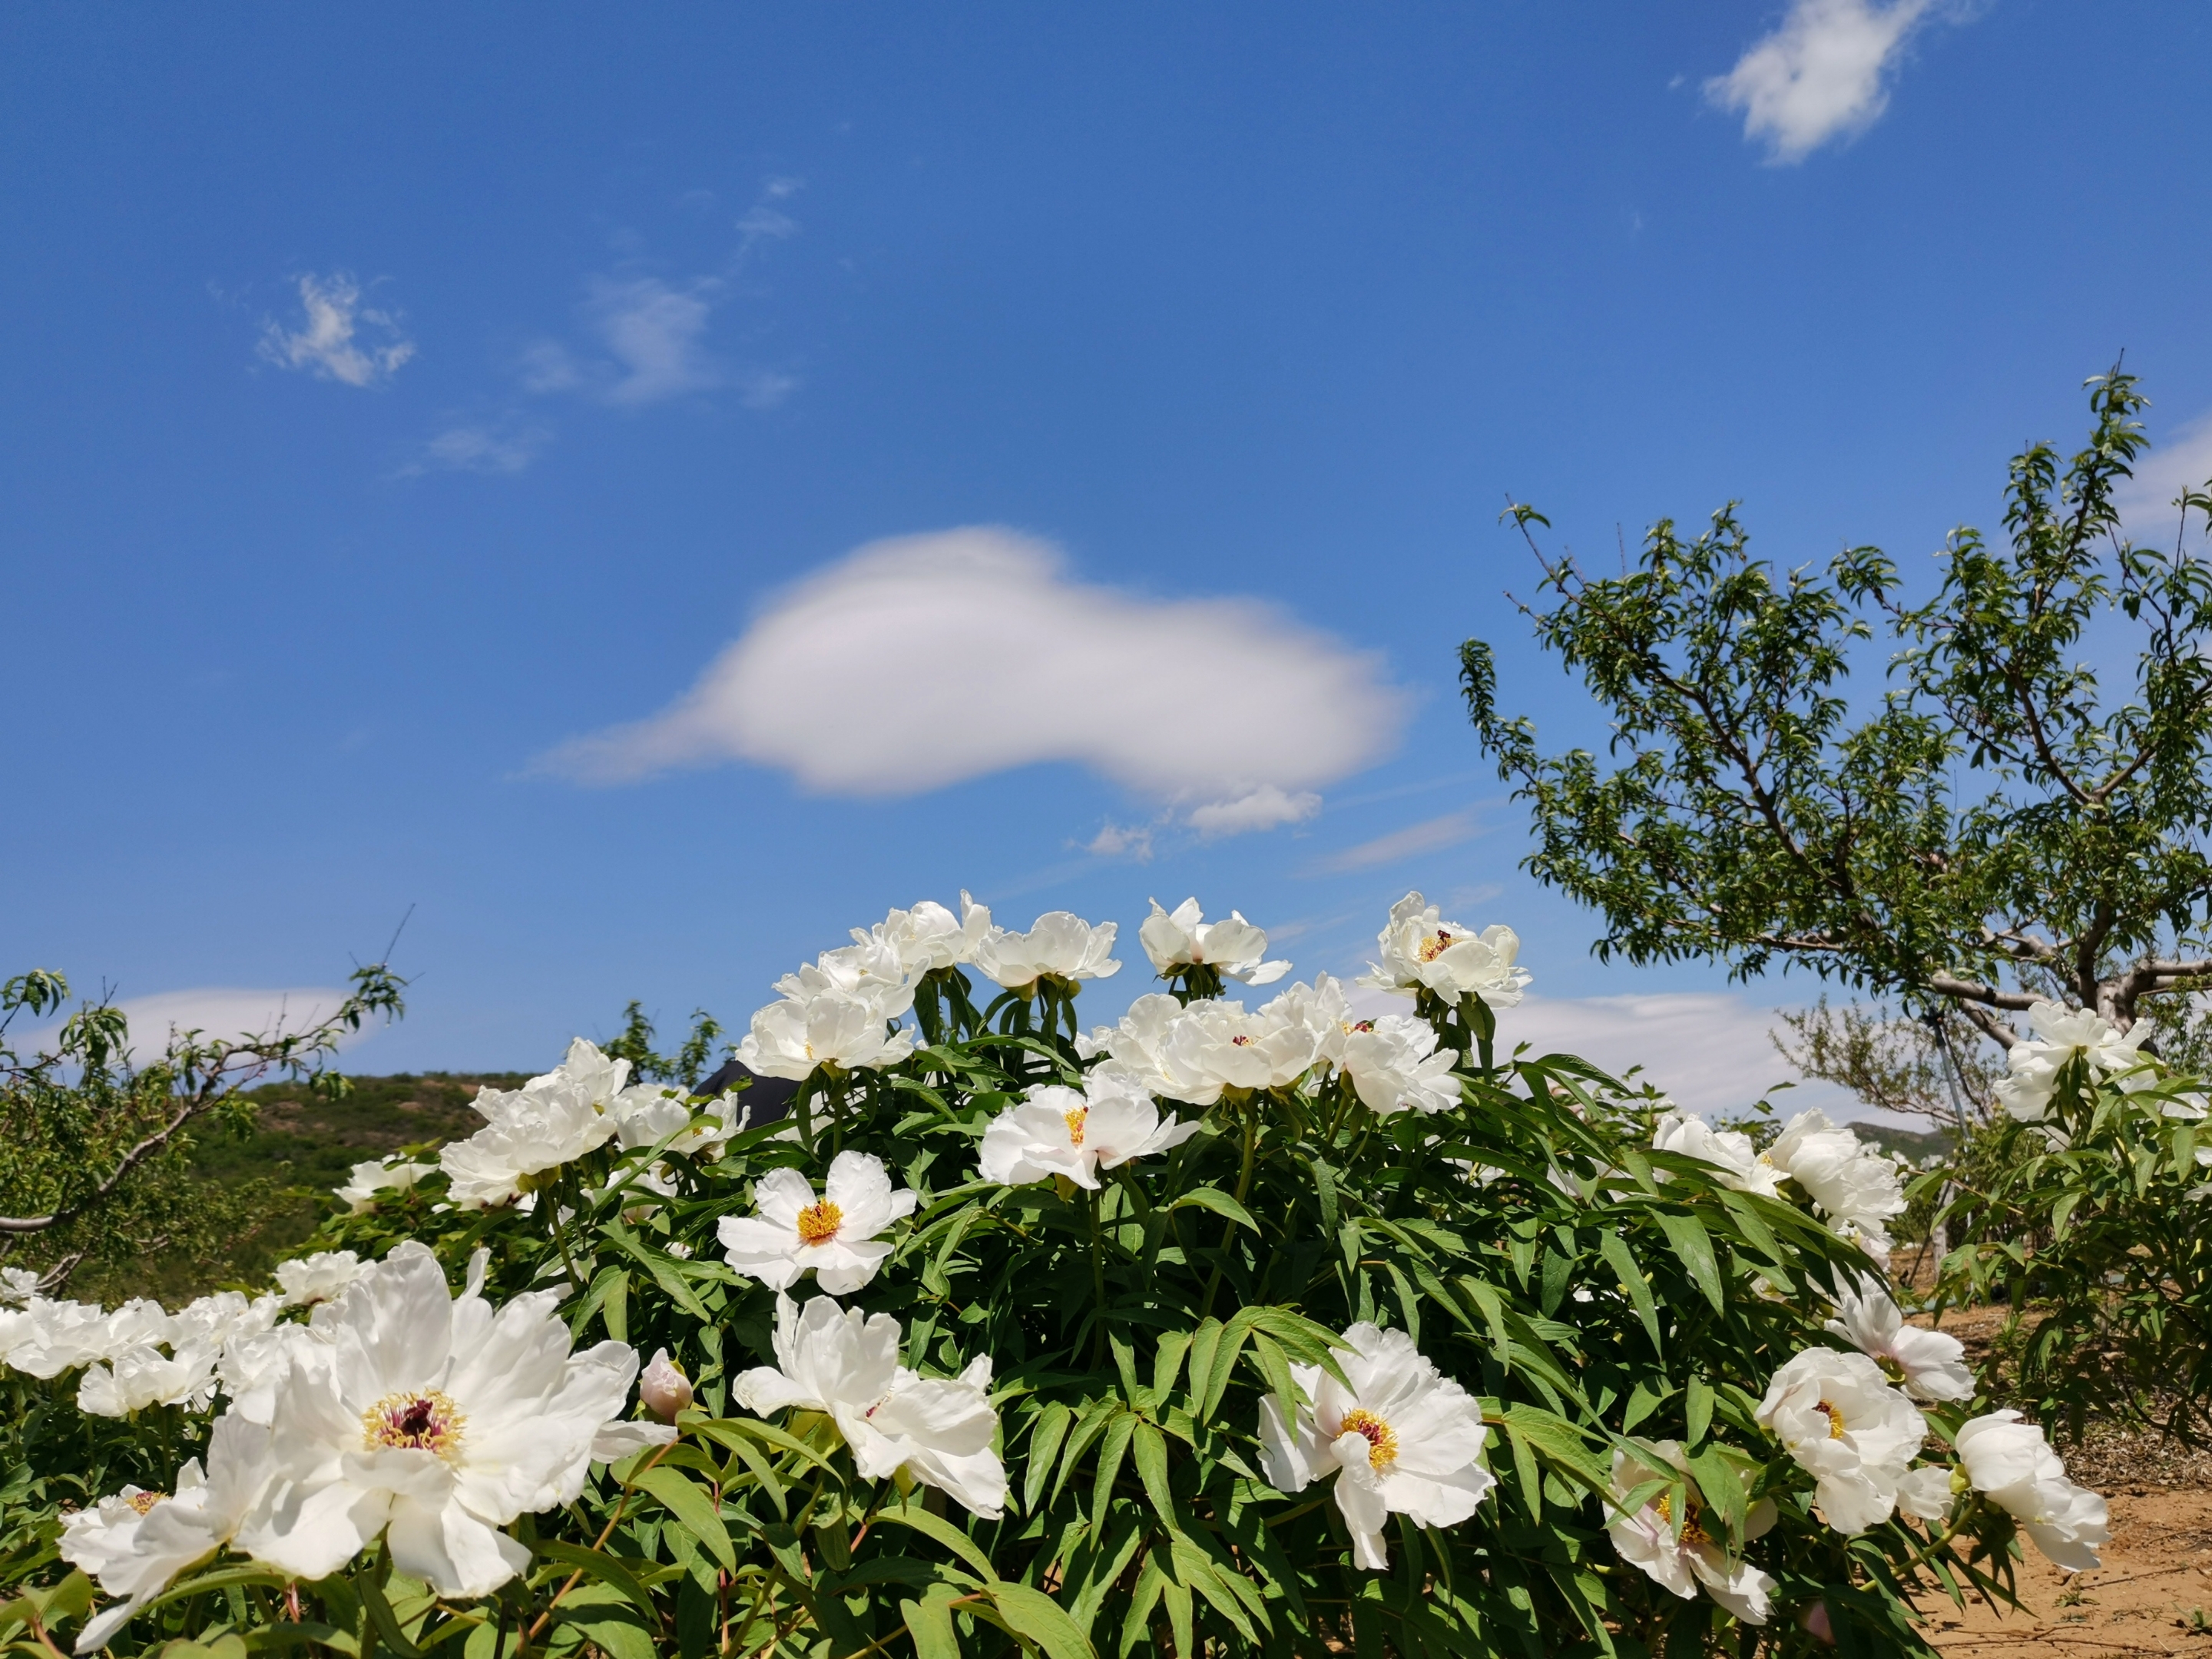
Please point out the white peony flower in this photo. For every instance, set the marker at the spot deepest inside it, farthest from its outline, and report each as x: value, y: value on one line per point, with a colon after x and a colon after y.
x: 1058, y: 1131
x: 1681, y: 1556
x: 322, y: 1277
x: 1395, y: 1065
x: 135, y: 1542
x: 253, y: 1366
x: 2011, y: 1461
x: 530, y: 1131
x: 1854, y: 1187
x: 435, y: 1421
x: 1421, y: 952
x: 1933, y: 1365
x: 139, y: 1320
x: 1742, y: 1165
x: 1837, y: 1416
x: 837, y: 1235
x: 647, y: 1114
x: 1402, y: 1440
x: 380, y: 1175
x: 793, y: 1039
x: 1321, y: 1010
x: 1216, y: 1046
x: 844, y: 1363
x: 1181, y: 939
x: 141, y: 1376
x: 929, y: 937
x: 1925, y: 1493
x: 1134, y: 1048
x: 2034, y: 1063
x: 1059, y: 945
x: 48, y: 1338
x: 17, y: 1286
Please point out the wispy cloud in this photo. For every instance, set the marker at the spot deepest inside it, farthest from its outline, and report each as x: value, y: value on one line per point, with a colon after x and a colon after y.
x: 2180, y: 463
x: 656, y: 336
x: 764, y: 221
x: 504, y: 446
x: 326, y: 343
x: 1003, y: 659
x: 1429, y: 836
x: 1822, y: 73
x: 1116, y: 840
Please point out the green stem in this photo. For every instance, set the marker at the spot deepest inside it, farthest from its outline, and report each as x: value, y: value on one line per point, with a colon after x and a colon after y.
x: 1251, y: 1118
x: 1097, y: 1284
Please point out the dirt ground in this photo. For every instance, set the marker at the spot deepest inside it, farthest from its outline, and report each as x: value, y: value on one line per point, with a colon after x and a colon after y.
x: 2153, y: 1593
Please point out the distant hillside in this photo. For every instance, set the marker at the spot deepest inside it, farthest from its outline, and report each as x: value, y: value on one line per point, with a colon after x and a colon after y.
x: 1915, y: 1144
x: 307, y: 1144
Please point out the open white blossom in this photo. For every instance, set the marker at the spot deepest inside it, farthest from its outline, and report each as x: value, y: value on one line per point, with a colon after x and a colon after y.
x: 1741, y: 1164
x: 435, y: 1421
x: 1216, y: 1046
x: 2011, y: 1461
x: 2033, y: 1064
x: 870, y: 970
x: 141, y: 1376
x: 17, y: 1286
x: 551, y: 1120
x: 1854, y: 1187
x: 838, y: 1236
x: 929, y: 937
x: 1932, y: 1365
x: 1837, y: 1414
x: 253, y: 1366
x: 1183, y: 939
x: 380, y: 1175
x: 47, y: 1337
x: 1420, y: 952
x: 1319, y: 1009
x: 1395, y: 1065
x: 1133, y: 1048
x: 1059, y: 945
x: 322, y: 1277
x: 1677, y: 1552
x: 1058, y: 1131
x: 845, y: 1364
x: 135, y: 1542
x: 1402, y: 1440
x: 795, y: 1039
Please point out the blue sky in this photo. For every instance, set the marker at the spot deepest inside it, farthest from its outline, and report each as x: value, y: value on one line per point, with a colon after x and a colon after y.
x: 403, y: 418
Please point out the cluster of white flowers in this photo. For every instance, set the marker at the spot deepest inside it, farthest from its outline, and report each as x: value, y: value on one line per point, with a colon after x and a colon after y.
x: 1402, y: 1439
x: 2063, y: 1034
x: 135, y: 1356
x: 1182, y: 938
x: 582, y: 1104
x: 1055, y: 1130
x: 401, y: 1411
x: 1854, y: 1188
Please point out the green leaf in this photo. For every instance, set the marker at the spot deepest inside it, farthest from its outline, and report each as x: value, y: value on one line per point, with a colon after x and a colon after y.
x: 1694, y: 1247
x: 1149, y: 1447
x: 689, y: 1502
x: 1214, y: 1199
x: 1035, y: 1617
x: 1697, y: 1409
x: 380, y: 1616
x: 1044, y: 1443
x: 1623, y: 1262
x: 610, y: 1624
x: 605, y: 1568
x: 929, y: 1622
x: 1110, y: 1449
x: 940, y: 1531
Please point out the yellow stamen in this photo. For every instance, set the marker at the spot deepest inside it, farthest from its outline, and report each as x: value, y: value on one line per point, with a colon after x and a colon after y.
x: 818, y: 1222
x: 143, y: 1502
x: 1835, y: 1421
x: 1075, y: 1121
x: 418, y: 1420
x: 1435, y: 945
x: 1381, y: 1444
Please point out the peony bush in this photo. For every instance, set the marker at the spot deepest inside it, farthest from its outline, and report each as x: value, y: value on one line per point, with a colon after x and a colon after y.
x: 1285, y: 1327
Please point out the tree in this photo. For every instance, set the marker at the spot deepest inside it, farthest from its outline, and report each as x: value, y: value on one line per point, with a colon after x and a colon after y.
x: 95, y: 1148
x: 2000, y: 827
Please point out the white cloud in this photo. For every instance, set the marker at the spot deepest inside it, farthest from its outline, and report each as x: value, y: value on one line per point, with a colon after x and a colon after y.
x: 765, y: 389
x: 1820, y: 74
x: 1263, y: 808
x: 494, y: 446
x: 655, y: 333
x: 1115, y: 840
x: 333, y: 315
x: 216, y: 1011
x: 1429, y: 836
x: 547, y: 366
x: 923, y: 660
x: 2182, y: 462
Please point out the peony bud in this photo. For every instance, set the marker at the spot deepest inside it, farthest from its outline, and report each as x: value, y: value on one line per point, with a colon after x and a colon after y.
x: 664, y: 1388
x: 1815, y: 1618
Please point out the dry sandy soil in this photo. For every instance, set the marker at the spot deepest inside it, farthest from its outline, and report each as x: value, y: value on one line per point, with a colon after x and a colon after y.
x: 2153, y: 1593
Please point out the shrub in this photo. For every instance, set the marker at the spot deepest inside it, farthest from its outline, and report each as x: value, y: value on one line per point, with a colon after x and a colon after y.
x: 1287, y: 1330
